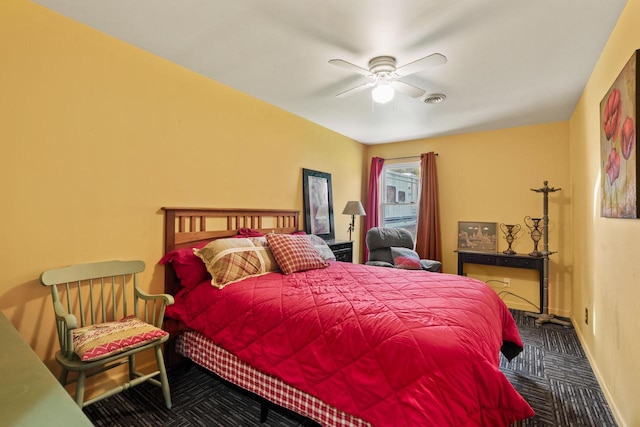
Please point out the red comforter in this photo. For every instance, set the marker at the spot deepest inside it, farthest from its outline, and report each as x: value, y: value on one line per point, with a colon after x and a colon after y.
x: 393, y: 347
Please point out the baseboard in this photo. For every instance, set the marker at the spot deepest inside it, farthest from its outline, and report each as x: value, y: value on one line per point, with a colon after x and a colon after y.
x: 596, y: 371
x: 561, y: 313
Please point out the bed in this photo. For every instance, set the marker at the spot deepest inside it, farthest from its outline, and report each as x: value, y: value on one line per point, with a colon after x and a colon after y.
x: 343, y: 344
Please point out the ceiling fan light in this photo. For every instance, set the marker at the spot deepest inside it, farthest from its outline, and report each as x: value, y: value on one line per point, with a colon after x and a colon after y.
x: 382, y: 93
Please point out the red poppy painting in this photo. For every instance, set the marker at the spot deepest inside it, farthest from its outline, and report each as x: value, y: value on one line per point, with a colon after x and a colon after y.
x: 618, y: 148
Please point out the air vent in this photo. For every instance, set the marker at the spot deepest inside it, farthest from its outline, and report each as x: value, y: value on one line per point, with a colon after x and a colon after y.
x: 434, y: 98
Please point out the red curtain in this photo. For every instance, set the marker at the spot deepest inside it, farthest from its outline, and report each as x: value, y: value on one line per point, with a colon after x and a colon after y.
x: 373, y: 201
x: 428, y: 233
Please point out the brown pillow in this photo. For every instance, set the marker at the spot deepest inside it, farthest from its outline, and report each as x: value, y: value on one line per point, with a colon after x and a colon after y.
x: 294, y: 253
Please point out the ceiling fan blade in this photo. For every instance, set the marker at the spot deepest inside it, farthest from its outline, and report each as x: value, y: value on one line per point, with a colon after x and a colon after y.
x: 349, y: 66
x: 356, y: 89
x: 422, y: 63
x: 407, y: 89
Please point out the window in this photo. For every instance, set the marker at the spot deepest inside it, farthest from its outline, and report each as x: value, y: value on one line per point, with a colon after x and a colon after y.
x: 400, y: 190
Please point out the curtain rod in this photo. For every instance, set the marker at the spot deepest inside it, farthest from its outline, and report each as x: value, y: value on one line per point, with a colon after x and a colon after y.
x: 406, y: 157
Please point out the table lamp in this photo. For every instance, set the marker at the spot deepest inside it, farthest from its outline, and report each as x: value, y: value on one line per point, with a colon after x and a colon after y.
x: 353, y: 208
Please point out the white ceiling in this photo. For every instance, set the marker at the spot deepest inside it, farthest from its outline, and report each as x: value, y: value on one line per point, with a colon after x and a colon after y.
x: 510, y: 62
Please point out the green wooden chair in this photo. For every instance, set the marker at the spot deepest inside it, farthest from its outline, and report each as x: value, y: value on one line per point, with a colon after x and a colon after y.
x: 116, y: 321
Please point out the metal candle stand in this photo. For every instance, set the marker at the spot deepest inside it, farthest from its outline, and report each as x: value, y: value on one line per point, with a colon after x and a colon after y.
x: 510, y: 231
x: 533, y: 224
x: 544, y: 316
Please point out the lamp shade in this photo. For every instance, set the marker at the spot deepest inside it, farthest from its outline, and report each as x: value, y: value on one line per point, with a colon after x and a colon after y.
x: 354, y: 207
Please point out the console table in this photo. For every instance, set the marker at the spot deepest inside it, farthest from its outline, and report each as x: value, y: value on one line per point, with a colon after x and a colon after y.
x: 503, y: 260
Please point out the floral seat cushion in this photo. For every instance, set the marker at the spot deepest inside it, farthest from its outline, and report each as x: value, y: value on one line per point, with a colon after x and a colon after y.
x: 105, y: 339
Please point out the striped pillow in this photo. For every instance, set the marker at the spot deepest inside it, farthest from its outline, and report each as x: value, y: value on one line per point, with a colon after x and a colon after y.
x: 294, y: 253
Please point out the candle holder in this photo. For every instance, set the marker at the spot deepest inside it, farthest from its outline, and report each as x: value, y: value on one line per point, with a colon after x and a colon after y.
x: 510, y: 231
x: 533, y: 224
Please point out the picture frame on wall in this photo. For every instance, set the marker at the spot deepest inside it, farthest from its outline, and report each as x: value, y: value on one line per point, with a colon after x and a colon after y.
x: 477, y: 236
x: 318, y: 204
x: 618, y: 148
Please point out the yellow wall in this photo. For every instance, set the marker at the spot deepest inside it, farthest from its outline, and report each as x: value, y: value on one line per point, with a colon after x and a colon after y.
x: 605, y: 264
x: 488, y: 176
x: 98, y: 135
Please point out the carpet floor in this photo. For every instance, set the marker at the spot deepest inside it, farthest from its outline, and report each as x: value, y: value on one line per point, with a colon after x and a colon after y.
x: 552, y: 374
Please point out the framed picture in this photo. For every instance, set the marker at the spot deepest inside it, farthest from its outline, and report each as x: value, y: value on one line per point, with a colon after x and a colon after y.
x: 618, y: 149
x: 391, y: 193
x: 318, y: 204
x: 477, y: 236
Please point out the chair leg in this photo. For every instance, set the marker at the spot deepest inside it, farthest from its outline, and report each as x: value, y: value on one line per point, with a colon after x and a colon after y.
x: 63, y: 377
x: 164, y: 381
x: 132, y: 367
x: 80, y: 388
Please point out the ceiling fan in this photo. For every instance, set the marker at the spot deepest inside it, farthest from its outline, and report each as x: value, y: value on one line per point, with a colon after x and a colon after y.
x: 387, y: 78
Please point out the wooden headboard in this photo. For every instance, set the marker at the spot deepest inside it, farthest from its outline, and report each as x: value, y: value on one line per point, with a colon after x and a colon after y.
x: 184, y: 227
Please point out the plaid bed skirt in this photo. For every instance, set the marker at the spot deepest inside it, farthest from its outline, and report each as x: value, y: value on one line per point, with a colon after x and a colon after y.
x: 203, y: 352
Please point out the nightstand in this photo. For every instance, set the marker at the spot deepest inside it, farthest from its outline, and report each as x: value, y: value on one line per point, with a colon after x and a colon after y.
x: 343, y: 250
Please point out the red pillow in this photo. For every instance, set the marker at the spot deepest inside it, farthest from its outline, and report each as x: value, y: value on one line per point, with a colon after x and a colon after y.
x: 190, y: 269
x: 248, y: 232
x: 294, y: 253
x: 405, y: 258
